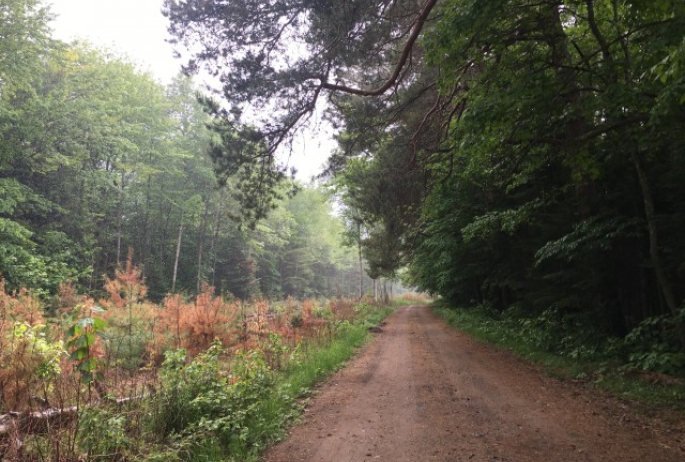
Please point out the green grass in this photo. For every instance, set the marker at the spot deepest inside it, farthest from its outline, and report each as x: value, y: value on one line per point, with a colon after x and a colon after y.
x: 663, y: 395
x: 378, y: 315
x: 397, y: 302
x: 596, y: 369
x: 321, y: 361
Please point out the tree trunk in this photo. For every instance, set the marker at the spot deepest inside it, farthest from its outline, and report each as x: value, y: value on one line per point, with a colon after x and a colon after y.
x: 200, y: 246
x: 361, y: 264
x: 212, y: 249
x: 657, y: 263
x: 120, y: 223
x: 178, y: 253
x: 146, y: 249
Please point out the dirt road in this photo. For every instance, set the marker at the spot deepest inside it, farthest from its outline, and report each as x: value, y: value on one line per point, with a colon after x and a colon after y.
x: 423, y: 392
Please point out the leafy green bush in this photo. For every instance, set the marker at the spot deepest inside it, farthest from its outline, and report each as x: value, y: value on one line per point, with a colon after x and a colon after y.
x: 102, y: 434
x: 656, y: 344
x: 81, y: 340
x: 566, y: 335
x: 204, y: 407
x: 572, y: 335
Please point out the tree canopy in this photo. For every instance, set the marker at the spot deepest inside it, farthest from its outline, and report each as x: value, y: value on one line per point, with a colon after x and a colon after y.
x: 520, y: 154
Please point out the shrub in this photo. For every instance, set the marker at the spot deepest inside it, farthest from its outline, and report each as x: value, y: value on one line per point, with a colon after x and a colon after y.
x: 130, y: 318
x: 656, y: 344
x: 193, y: 326
x: 84, y: 341
x: 206, y: 403
x: 343, y: 309
x: 102, y: 434
x: 29, y: 358
x: 29, y: 363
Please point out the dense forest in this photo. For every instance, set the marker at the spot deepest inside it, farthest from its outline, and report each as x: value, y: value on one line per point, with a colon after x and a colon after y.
x: 169, y: 291
x: 100, y: 163
x: 522, y: 156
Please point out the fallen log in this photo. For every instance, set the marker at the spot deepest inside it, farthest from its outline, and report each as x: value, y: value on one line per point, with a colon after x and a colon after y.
x: 41, y: 421
x: 38, y: 421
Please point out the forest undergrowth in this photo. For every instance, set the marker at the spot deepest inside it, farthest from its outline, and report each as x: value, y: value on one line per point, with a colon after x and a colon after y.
x: 122, y: 378
x: 630, y: 367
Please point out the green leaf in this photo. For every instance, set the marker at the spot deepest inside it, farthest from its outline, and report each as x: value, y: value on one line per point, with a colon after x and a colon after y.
x: 85, y: 341
x: 99, y: 324
x: 79, y: 354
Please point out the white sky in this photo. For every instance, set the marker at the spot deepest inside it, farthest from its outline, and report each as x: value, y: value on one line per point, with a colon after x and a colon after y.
x: 137, y: 29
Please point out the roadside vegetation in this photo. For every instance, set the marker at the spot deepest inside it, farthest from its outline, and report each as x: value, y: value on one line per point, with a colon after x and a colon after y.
x: 192, y: 378
x: 628, y: 367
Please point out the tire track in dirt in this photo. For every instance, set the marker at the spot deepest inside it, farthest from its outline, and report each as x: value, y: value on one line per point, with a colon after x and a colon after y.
x: 424, y: 392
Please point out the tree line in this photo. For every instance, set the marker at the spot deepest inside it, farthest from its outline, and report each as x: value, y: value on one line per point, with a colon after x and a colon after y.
x: 100, y: 163
x: 527, y: 156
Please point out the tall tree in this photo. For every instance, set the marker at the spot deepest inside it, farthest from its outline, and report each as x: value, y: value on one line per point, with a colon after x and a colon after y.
x: 24, y: 28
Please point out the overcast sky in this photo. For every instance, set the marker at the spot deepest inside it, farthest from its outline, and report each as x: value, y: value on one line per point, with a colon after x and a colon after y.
x: 137, y: 29
x: 133, y: 27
